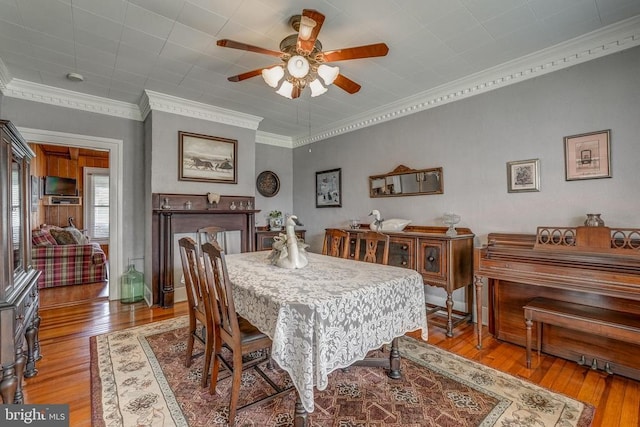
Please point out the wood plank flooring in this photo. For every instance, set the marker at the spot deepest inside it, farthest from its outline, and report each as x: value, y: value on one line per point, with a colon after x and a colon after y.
x: 63, y: 375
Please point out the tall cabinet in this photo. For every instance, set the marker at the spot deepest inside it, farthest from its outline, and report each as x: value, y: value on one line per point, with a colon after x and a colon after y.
x: 19, y: 320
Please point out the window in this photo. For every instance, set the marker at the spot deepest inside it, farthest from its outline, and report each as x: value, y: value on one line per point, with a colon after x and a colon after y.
x: 96, y: 202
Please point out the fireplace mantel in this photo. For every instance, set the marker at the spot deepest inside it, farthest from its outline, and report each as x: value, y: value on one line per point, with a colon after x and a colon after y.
x: 186, y: 213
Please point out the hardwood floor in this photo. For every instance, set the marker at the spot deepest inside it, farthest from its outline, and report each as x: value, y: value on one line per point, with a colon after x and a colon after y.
x: 64, y: 377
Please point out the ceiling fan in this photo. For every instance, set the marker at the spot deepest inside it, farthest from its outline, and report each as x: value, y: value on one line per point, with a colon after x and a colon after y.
x: 305, y: 64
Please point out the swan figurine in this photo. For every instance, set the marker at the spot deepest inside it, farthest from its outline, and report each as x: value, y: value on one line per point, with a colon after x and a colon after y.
x: 393, y: 224
x: 288, y: 251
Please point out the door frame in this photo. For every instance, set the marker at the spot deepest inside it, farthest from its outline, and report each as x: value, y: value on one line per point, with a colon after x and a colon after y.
x: 116, y: 170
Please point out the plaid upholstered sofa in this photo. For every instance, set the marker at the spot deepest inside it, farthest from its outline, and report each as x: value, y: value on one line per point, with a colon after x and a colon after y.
x: 66, y: 261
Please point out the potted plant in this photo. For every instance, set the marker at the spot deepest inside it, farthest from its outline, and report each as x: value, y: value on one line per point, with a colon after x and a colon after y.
x: 275, y: 220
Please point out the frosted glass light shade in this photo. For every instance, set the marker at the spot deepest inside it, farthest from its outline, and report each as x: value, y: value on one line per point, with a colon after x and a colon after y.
x: 298, y: 66
x: 272, y: 76
x: 306, y: 27
x: 317, y: 88
x: 328, y: 74
x: 285, y: 90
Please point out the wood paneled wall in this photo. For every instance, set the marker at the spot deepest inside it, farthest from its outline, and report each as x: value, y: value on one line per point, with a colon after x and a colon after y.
x: 68, y: 164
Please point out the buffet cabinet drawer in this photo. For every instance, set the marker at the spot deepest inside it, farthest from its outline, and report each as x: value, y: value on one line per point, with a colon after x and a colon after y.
x: 24, y: 309
x: 264, y: 239
x: 432, y: 261
x: 401, y: 252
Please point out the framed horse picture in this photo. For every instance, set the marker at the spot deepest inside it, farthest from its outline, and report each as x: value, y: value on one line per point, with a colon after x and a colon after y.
x: 207, y: 158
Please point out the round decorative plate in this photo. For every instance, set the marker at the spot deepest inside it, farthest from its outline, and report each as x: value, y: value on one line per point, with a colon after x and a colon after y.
x: 268, y: 184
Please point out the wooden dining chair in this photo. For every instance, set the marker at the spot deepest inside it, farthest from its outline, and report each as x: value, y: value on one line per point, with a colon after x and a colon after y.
x: 336, y: 243
x: 233, y: 331
x: 210, y: 234
x: 369, y: 242
x: 199, y: 300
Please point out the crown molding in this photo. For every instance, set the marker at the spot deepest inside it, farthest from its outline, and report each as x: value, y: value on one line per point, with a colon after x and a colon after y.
x: 5, y: 76
x: 171, y: 104
x: 611, y: 39
x: 37, y: 92
x: 274, y: 139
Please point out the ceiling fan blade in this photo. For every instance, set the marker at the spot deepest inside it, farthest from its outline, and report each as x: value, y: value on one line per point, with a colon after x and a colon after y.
x: 247, y: 75
x: 243, y: 46
x: 295, y: 92
x: 359, y: 52
x: 346, y: 84
x: 305, y: 45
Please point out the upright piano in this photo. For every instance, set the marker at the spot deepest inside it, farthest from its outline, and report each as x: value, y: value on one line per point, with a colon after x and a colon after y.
x: 593, y: 266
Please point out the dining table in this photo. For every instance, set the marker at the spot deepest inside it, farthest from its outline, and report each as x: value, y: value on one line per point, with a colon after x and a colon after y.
x: 327, y: 315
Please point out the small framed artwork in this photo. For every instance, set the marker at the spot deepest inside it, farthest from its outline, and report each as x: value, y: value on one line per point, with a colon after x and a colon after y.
x: 588, y: 156
x: 523, y: 175
x: 329, y: 189
x: 207, y: 158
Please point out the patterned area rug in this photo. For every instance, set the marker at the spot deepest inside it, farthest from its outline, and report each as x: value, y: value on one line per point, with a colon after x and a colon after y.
x: 138, y: 378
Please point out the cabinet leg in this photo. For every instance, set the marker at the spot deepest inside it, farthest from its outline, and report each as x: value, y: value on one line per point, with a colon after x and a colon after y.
x: 449, y: 315
x: 478, y: 282
x: 36, y: 325
x: 8, y: 384
x: 21, y: 361
x: 30, y: 336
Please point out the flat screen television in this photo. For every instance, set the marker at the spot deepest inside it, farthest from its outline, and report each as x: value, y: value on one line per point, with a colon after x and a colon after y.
x: 59, y: 186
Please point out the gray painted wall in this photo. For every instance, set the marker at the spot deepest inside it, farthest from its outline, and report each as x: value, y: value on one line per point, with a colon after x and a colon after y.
x: 473, y: 139
x: 164, y: 155
x: 280, y: 161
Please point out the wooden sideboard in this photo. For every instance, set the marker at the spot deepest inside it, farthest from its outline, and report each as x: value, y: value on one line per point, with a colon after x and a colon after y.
x: 19, y: 298
x: 597, y: 268
x: 264, y: 237
x: 443, y: 261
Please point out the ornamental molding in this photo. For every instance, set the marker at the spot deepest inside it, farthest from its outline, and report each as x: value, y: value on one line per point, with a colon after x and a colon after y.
x: 155, y: 101
x: 274, y: 139
x: 37, y: 92
x: 5, y: 76
x: 611, y: 39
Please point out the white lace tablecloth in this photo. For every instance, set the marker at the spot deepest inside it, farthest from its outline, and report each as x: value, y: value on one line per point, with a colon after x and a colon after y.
x: 328, y: 314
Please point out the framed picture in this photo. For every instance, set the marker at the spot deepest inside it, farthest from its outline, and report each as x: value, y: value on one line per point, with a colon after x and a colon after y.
x: 207, y: 158
x: 523, y: 175
x: 329, y: 189
x: 588, y: 156
x: 35, y: 193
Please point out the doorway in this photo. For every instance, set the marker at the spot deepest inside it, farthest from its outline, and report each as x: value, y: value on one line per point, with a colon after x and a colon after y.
x: 115, y: 149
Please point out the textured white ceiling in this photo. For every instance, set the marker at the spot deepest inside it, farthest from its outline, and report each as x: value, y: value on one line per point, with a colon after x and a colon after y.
x: 123, y: 47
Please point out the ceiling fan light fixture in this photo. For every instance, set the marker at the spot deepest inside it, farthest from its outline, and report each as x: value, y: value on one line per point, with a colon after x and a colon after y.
x: 328, y: 74
x: 272, y: 76
x: 286, y: 90
x: 306, y: 27
x: 298, y: 66
x: 317, y: 88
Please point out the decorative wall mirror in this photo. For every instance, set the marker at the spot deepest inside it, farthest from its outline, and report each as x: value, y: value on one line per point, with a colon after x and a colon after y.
x: 404, y: 181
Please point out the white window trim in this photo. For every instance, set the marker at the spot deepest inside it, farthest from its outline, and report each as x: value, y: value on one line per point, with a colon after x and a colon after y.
x: 86, y: 206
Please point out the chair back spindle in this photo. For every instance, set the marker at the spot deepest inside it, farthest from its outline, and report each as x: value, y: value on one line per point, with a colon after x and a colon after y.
x: 336, y: 243
x: 369, y: 242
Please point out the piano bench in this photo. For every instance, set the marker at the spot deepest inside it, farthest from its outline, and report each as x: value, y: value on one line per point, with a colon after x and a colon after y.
x: 599, y: 321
